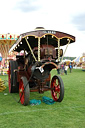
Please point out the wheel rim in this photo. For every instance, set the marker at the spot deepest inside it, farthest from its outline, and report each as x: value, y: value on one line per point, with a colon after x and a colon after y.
x: 21, y: 92
x: 9, y: 78
x: 55, y: 88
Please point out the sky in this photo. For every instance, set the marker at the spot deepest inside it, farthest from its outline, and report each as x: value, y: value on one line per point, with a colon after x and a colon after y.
x: 20, y: 16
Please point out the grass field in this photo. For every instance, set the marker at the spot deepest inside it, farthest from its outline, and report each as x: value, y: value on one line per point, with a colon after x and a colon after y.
x: 70, y: 113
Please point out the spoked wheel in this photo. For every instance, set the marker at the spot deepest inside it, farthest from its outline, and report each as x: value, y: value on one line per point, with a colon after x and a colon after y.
x: 12, y: 77
x: 24, y: 91
x: 57, y: 88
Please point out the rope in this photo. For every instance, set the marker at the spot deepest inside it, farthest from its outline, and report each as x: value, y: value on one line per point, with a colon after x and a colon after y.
x: 65, y: 50
x: 30, y: 49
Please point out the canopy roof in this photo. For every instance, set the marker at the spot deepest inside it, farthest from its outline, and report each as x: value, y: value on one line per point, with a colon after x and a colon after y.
x: 46, y: 36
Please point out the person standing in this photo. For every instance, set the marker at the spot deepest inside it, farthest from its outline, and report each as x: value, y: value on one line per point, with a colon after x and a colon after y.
x: 62, y: 69
x: 65, y: 69
x: 58, y: 70
x: 70, y: 67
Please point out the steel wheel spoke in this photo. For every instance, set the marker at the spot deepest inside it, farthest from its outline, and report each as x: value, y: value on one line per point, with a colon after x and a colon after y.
x: 55, y: 84
x: 21, y: 92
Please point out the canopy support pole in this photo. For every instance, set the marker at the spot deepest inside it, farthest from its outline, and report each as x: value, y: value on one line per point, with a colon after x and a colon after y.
x: 58, y: 50
x: 65, y: 49
x: 38, y: 48
x: 30, y: 49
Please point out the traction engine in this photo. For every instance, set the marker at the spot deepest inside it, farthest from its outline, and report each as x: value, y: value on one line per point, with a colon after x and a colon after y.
x: 31, y: 71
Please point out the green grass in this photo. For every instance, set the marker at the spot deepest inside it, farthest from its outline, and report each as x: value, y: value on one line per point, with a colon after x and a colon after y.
x: 70, y: 113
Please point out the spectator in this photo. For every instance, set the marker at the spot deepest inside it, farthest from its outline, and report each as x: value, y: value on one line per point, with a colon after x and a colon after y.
x: 62, y: 69
x: 70, y: 67
x: 66, y: 68
x: 58, y: 70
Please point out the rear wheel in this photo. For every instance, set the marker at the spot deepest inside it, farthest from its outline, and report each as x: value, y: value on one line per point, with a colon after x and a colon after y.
x: 12, y: 77
x: 57, y: 88
x: 15, y: 83
x: 24, y: 91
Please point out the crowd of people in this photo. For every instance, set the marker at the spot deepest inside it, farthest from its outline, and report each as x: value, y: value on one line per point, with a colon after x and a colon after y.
x: 62, y: 68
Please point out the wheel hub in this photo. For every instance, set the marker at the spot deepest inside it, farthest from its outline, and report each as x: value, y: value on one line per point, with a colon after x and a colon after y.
x: 57, y: 88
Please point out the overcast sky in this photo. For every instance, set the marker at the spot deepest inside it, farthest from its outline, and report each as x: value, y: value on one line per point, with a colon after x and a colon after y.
x: 19, y: 16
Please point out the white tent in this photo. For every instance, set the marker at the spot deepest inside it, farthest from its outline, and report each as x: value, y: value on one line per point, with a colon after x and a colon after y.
x: 66, y: 60
x: 77, y: 59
